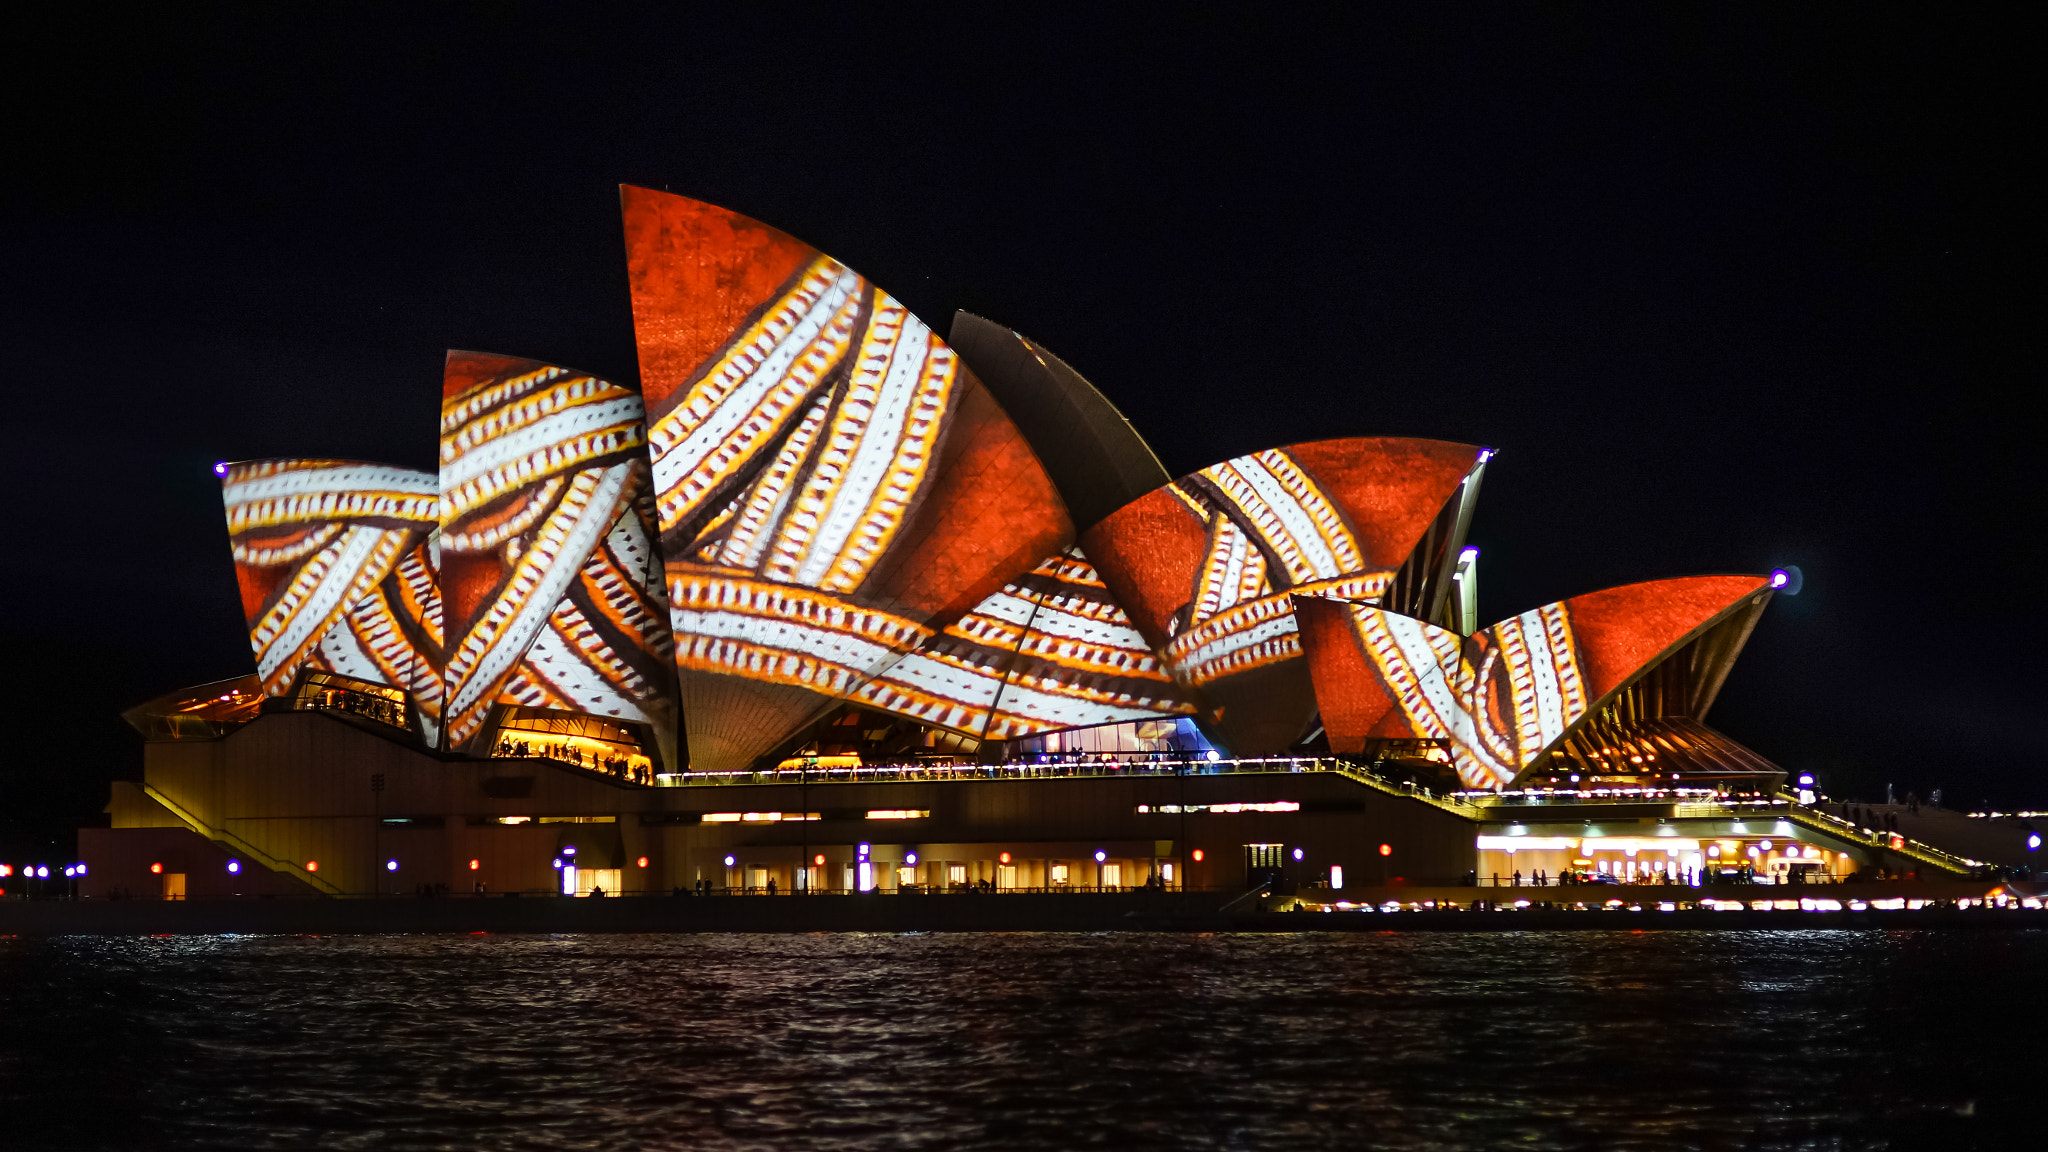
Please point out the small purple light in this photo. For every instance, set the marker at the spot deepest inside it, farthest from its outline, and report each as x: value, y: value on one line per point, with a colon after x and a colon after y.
x: 1780, y: 578
x: 558, y: 861
x: 234, y: 867
x: 220, y: 469
x: 391, y: 865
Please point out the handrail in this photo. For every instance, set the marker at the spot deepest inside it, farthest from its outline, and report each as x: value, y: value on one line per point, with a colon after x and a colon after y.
x: 1081, y: 769
x: 240, y: 846
x: 1889, y: 841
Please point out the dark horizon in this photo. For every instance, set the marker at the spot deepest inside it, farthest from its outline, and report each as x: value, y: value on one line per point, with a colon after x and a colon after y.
x: 1728, y: 291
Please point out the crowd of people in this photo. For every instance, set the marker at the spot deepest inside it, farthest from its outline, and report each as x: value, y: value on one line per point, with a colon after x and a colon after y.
x: 567, y: 753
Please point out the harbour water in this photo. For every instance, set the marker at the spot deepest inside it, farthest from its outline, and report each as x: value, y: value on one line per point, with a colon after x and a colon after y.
x: 1587, y: 1039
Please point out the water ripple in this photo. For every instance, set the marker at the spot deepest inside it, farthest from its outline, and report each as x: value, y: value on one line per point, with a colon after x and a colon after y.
x: 1753, y: 1040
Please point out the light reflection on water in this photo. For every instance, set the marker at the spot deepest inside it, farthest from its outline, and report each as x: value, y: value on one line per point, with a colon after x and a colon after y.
x: 1800, y: 1039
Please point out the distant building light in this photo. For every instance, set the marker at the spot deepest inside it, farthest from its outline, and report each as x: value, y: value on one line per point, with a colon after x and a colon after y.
x: 156, y: 868
x: 43, y: 871
x: 391, y: 865
x: 1468, y: 555
x: 730, y: 861
x: 1100, y: 855
x: 1003, y: 857
x: 1297, y: 853
x: 1197, y: 855
x: 557, y: 861
x: 819, y: 859
x: 1336, y: 875
x: 1214, y: 755
x: 642, y: 862
x: 898, y: 813
x: 475, y: 865
x: 312, y: 865
x: 220, y: 469
x: 234, y: 867
x: 863, y: 851
x: 569, y: 851
x: 1386, y: 849
x: 6, y: 870
x: 2034, y: 842
x: 910, y: 857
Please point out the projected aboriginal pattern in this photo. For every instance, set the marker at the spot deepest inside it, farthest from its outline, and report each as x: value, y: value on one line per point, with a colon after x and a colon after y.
x: 1504, y: 696
x: 1206, y: 566
x: 547, y: 547
x: 832, y: 486
x: 1051, y: 650
x: 335, y: 563
x: 1270, y: 527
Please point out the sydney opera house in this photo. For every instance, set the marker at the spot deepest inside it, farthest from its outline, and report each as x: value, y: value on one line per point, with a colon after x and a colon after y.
x: 829, y: 603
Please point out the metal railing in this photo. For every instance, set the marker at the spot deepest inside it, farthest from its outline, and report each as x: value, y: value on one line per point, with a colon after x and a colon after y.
x: 1706, y: 804
x: 1074, y: 769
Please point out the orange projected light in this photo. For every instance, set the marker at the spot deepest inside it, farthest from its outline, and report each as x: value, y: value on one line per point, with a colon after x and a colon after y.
x: 1197, y: 855
x: 312, y: 865
x: 1507, y: 694
x: 643, y: 862
x: 1050, y: 650
x: 547, y: 547
x: 1205, y: 566
x: 474, y: 865
x: 833, y: 487
x: 1386, y: 849
x: 336, y: 574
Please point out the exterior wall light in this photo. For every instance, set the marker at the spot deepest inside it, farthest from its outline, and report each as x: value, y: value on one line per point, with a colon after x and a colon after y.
x: 1214, y: 755
x: 312, y: 865
x: 1197, y: 855
x: 158, y: 869
x: 1004, y: 857
x: 1386, y: 849
x: 819, y: 859
x: 475, y: 864
x: 1100, y: 856
x: 234, y: 867
x: 391, y: 865
x: 556, y: 862
x: 642, y: 862
x: 730, y: 861
x: 910, y: 857
x: 1297, y: 853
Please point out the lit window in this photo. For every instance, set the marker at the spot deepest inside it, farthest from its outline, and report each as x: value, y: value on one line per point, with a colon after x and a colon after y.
x: 898, y: 813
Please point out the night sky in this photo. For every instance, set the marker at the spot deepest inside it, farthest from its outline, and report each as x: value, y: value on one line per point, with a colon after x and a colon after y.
x: 1729, y: 290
